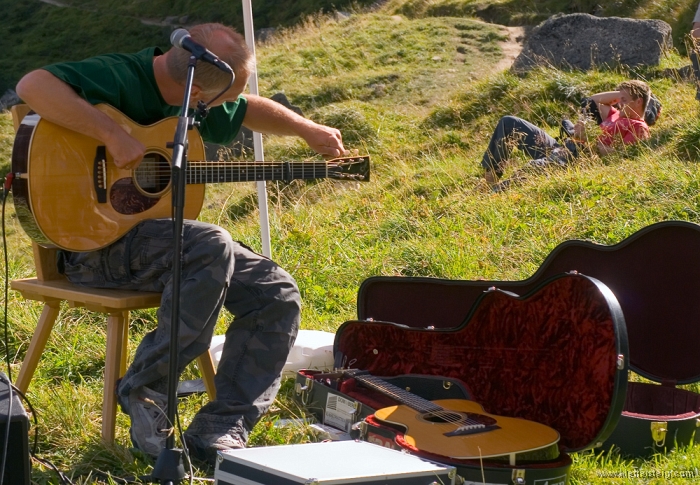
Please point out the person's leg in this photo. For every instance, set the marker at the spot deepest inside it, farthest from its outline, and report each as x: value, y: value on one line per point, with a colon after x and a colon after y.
x: 512, y: 132
x: 559, y: 156
x: 142, y: 260
x: 695, y: 39
x: 266, y: 304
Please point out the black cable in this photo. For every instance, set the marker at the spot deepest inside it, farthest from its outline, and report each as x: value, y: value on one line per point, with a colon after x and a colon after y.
x: 62, y: 476
x: 185, y: 450
x: 202, y: 107
x: 34, y: 417
x: 6, y: 190
x: 8, y: 378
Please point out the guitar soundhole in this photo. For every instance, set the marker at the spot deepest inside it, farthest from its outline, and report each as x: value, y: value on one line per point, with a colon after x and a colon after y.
x: 480, y: 418
x: 152, y: 176
x: 443, y: 417
x: 468, y: 419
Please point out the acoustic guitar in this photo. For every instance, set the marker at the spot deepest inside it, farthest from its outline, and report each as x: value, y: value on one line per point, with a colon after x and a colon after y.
x: 68, y: 192
x: 461, y: 429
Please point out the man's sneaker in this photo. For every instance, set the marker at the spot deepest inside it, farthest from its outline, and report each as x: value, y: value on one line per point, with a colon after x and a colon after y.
x: 149, y: 420
x: 205, y: 447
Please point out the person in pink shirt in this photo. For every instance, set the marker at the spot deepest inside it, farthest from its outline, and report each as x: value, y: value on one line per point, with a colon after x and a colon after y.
x: 620, y: 114
x: 695, y: 40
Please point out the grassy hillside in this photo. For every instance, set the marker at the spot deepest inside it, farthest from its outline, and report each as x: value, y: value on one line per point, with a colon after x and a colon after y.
x: 33, y: 33
x: 418, y: 91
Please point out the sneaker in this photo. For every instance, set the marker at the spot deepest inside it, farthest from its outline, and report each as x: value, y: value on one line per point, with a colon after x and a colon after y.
x: 149, y: 420
x: 205, y: 447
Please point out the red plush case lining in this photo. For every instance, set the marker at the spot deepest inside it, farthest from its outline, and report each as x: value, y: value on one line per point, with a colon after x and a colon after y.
x: 550, y: 357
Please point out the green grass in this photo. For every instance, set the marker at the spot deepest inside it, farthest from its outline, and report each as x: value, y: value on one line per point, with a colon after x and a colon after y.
x: 34, y: 34
x: 418, y: 92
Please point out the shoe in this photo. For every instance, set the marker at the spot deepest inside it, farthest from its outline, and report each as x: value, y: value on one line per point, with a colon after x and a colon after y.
x: 501, y: 186
x: 566, y: 128
x: 491, y: 177
x: 149, y: 420
x: 205, y: 447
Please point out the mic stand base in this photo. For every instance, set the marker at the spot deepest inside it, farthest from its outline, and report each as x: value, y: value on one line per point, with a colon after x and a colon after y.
x: 169, y: 467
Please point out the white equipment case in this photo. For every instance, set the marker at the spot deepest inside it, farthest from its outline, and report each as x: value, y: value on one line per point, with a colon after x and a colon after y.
x: 330, y: 463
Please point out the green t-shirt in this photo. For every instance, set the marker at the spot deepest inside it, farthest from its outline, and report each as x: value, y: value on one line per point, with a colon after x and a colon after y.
x: 126, y: 81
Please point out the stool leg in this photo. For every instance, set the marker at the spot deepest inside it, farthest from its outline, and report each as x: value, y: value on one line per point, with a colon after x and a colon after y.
x: 116, y: 322
x: 125, y: 346
x: 206, y: 367
x: 36, y: 347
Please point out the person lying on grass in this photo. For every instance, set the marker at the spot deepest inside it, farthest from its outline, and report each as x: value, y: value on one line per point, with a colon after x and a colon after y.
x: 620, y: 114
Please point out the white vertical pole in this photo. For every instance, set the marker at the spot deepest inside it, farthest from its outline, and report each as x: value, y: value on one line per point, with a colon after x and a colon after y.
x: 257, y: 137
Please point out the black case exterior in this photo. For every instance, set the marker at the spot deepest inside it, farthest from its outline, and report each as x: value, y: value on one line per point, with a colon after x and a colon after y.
x: 552, y: 472
x: 18, y: 462
x: 654, y: 275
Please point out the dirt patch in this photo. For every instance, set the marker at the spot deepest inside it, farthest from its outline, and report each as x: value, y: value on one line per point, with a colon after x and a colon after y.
x: 511, y: 47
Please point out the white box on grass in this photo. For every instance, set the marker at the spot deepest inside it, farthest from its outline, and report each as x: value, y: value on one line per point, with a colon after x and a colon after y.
x: 331, y: 463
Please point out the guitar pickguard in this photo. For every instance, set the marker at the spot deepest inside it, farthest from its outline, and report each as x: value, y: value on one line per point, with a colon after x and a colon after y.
x: 126, y: 198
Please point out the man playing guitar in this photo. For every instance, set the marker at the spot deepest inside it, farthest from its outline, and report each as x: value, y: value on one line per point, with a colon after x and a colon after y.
x: 216, y: 271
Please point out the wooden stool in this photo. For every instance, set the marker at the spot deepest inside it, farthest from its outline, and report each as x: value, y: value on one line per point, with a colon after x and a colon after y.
x: 52, y: 288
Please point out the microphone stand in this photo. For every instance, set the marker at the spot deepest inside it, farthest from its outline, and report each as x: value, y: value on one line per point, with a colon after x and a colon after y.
x: 169, y: 469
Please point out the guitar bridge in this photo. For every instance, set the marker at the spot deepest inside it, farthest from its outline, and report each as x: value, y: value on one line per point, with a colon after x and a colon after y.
x: 99, y: 174
x: 472, y: 429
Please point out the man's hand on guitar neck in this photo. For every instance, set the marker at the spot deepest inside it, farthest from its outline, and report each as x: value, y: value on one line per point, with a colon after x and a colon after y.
x: 266, y: 116
x: 324, y: 140
x: 57, y: 102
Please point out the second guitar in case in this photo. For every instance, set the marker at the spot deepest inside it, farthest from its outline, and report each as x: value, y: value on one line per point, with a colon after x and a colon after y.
x: 554, y: 357
x: 655, y: 276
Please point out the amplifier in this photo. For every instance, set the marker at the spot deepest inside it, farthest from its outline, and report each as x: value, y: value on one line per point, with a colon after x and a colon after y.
x: 17, y: 463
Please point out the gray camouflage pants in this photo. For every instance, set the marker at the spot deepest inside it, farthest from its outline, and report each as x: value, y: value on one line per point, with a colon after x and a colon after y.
x: 216, y: 271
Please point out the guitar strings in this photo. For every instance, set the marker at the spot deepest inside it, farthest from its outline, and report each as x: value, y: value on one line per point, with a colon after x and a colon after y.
x: 417, y: 402
x: 246, y: 170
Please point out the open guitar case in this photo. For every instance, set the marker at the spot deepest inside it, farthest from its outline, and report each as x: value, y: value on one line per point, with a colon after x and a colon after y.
x: 555, y: 348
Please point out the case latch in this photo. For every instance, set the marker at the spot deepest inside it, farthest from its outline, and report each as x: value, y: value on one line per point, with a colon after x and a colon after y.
x: 519, y: 477
x: 304, y: 391
x: 658, y: 432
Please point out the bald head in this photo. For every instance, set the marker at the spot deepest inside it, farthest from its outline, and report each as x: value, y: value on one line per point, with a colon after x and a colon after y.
x: 223, y: 41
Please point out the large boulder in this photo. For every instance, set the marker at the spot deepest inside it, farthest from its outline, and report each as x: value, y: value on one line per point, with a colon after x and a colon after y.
x: 583, y: 41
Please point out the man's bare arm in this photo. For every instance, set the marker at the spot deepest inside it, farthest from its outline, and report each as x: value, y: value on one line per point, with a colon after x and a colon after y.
x: 266, y: 116
x: 56, y: 101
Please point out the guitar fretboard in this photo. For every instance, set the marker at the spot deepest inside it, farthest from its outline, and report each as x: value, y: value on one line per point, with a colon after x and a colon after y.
x: 207, y: 172
x: 401, y: 395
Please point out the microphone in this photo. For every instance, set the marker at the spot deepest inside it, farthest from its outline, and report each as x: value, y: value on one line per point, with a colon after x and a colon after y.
x: 181, y: 38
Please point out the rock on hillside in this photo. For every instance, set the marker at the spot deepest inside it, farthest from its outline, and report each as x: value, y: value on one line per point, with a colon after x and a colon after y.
x: 583, y: 41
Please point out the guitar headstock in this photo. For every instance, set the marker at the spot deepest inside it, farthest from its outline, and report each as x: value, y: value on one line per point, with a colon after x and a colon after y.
x: 349, y: 168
